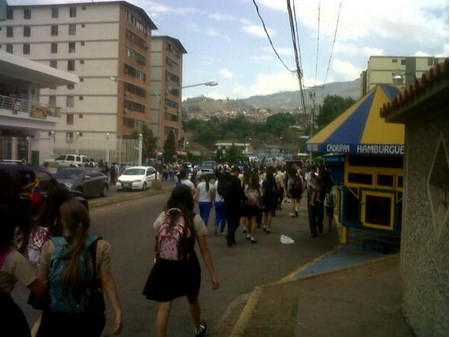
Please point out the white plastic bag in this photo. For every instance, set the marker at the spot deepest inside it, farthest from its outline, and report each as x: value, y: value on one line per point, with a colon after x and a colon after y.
x: 286, y: 240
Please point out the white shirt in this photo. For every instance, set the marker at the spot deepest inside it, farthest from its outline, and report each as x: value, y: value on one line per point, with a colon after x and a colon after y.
x: 202, y: 194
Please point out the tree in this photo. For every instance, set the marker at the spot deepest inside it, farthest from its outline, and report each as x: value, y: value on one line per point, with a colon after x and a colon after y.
x: 149, y: 141
x: 332, y: 107
x: 169, y: 146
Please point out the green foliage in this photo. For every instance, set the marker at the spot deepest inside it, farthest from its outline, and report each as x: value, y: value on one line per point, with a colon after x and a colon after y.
x: 169, y: 146
x: 149, y: 141
x: 332, y: 107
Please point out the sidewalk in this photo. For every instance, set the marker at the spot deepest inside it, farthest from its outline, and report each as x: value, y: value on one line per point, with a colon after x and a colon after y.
x: 346, y: 292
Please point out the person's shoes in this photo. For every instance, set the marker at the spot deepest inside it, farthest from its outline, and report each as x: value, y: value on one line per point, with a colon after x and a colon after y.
x: 229, y: 242
x: 248, y: 237
x: 253, y: 240
x: 296, y: 213
x: 267, y: 230
x: 201, y: 331
x: 216, y: 231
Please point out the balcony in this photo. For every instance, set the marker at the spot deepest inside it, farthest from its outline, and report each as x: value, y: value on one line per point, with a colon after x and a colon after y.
x: 10, y: 106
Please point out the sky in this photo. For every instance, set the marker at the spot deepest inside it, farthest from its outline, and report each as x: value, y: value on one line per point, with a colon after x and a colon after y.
x: 226, y: 41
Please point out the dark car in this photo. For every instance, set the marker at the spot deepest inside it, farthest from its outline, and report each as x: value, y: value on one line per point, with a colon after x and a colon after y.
x: 88, y: 181
x: 23, y: 190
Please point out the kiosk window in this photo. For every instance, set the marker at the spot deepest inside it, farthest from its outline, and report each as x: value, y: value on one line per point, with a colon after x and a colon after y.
x: 378, y: 210
x: 385, y: 180
x: 360, y: 178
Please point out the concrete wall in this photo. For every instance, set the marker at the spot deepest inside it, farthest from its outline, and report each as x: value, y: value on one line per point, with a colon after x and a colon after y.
x: 425, y: 247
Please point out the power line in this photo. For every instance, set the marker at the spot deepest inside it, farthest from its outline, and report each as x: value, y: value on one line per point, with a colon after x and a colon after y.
x: 269, y: 38
x: 297, y: 52
x: 333, y: 44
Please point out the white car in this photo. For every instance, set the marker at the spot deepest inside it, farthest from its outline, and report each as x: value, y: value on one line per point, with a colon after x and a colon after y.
x: 137, y: 178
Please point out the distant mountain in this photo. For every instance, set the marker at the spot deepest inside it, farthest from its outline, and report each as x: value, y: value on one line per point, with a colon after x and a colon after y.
x: 292, y: 99
x: 204, y: 108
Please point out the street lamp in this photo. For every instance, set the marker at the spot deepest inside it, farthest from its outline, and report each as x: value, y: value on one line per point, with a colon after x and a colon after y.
x: 208, y: 84
x: 400, y: 78
x: 107, y: 154
x: 140, y: 149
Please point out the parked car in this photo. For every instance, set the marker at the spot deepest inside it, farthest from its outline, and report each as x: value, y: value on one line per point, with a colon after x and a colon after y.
x: 87, y: 180
x: 70, y: 159
x: 17, y: 180
x: 206, y: 167
x: 137, y: 178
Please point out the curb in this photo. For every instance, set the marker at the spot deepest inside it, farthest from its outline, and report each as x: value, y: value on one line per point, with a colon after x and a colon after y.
x: 239, y: 327
x: 127, y: 196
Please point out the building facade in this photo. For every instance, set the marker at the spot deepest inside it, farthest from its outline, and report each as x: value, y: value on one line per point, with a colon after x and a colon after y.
x: 26, y: 125
x: 167, y: 73
x: 424, y: 264
x: 399, y: 71
x: 108, y: 45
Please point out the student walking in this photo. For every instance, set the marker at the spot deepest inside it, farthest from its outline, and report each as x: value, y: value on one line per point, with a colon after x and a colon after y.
x: 205, y: 197
x: 270, y: 198
x: 176, y: 270
x: 77, y: 267
x: 220, y: 218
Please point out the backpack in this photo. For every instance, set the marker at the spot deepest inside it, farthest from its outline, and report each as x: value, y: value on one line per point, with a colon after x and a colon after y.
x: 66, y: 301
x: 252, y: 197
x: 172, y: 237
x: 297, y: 183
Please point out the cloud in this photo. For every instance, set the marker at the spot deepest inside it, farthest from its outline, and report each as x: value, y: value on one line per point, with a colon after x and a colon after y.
x: 256, y: 30
x: 226, y: 73
x: 346, y: 69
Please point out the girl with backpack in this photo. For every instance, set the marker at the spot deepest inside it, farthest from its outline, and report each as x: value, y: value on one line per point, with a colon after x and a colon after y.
x: 77, y: 267
x: 176, y: 271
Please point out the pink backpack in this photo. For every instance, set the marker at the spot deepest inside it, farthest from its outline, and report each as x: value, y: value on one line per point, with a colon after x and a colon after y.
x: 172, y: 236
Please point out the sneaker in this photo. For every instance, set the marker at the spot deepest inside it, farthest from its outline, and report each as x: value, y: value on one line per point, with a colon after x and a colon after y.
x: 267, y: 230
x: 296, y: 213
x: 253, y: 240
x: 202, y: 330
x: 248, y: 237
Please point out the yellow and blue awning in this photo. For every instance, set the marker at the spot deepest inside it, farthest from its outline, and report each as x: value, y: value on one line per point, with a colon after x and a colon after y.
x: 361, y: 129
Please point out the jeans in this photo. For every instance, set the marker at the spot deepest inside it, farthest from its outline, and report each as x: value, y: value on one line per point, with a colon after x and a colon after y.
x: 204, y: 211
x: 220, y: 219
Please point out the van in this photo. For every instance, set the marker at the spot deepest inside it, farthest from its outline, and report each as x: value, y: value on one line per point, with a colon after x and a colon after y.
x: 65, y: 160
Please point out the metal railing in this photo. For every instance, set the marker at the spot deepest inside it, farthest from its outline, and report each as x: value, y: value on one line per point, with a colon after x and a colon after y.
x: 32, y: 108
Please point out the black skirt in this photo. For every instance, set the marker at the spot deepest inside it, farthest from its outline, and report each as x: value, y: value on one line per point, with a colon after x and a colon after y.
x: 169, y: 280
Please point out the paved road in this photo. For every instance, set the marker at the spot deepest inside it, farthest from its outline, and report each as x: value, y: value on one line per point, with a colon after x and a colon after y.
x: 127, y: 226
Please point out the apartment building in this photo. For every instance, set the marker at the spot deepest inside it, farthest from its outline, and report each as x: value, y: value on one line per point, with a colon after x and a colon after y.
x: 108, y: 45
x: 167, y: 71
x: 400, y: 71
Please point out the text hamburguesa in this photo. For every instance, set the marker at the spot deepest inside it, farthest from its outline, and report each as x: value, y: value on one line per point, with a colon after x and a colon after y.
x: 359, y: 149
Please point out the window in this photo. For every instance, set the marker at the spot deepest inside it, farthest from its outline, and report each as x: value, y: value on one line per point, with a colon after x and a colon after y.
x: 54, y: 30
x: 71, y: 65
x: 27, y: 13
x: 52, y: 100
x: 72, y: 29
x: 71, y: 47
x: 82, y: 61
x: 81, y: 79
x: 81, y: 98
x: 26, y: 49
x: 54, y: 48
x: 27, y: 31
x: 55, y: 13
x: 69, y: 137
x: 53, y: 64
x: 70, y: 86
x: 82, y: 43
x: 73, y: 12
x: 70, y: 101
x: 9, y: 48
x: 70, y: 119
x: 9, y: 31
x: 9, y: 14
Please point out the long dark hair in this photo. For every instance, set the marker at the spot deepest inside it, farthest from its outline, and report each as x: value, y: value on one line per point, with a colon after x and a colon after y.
x: 182, y: 198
